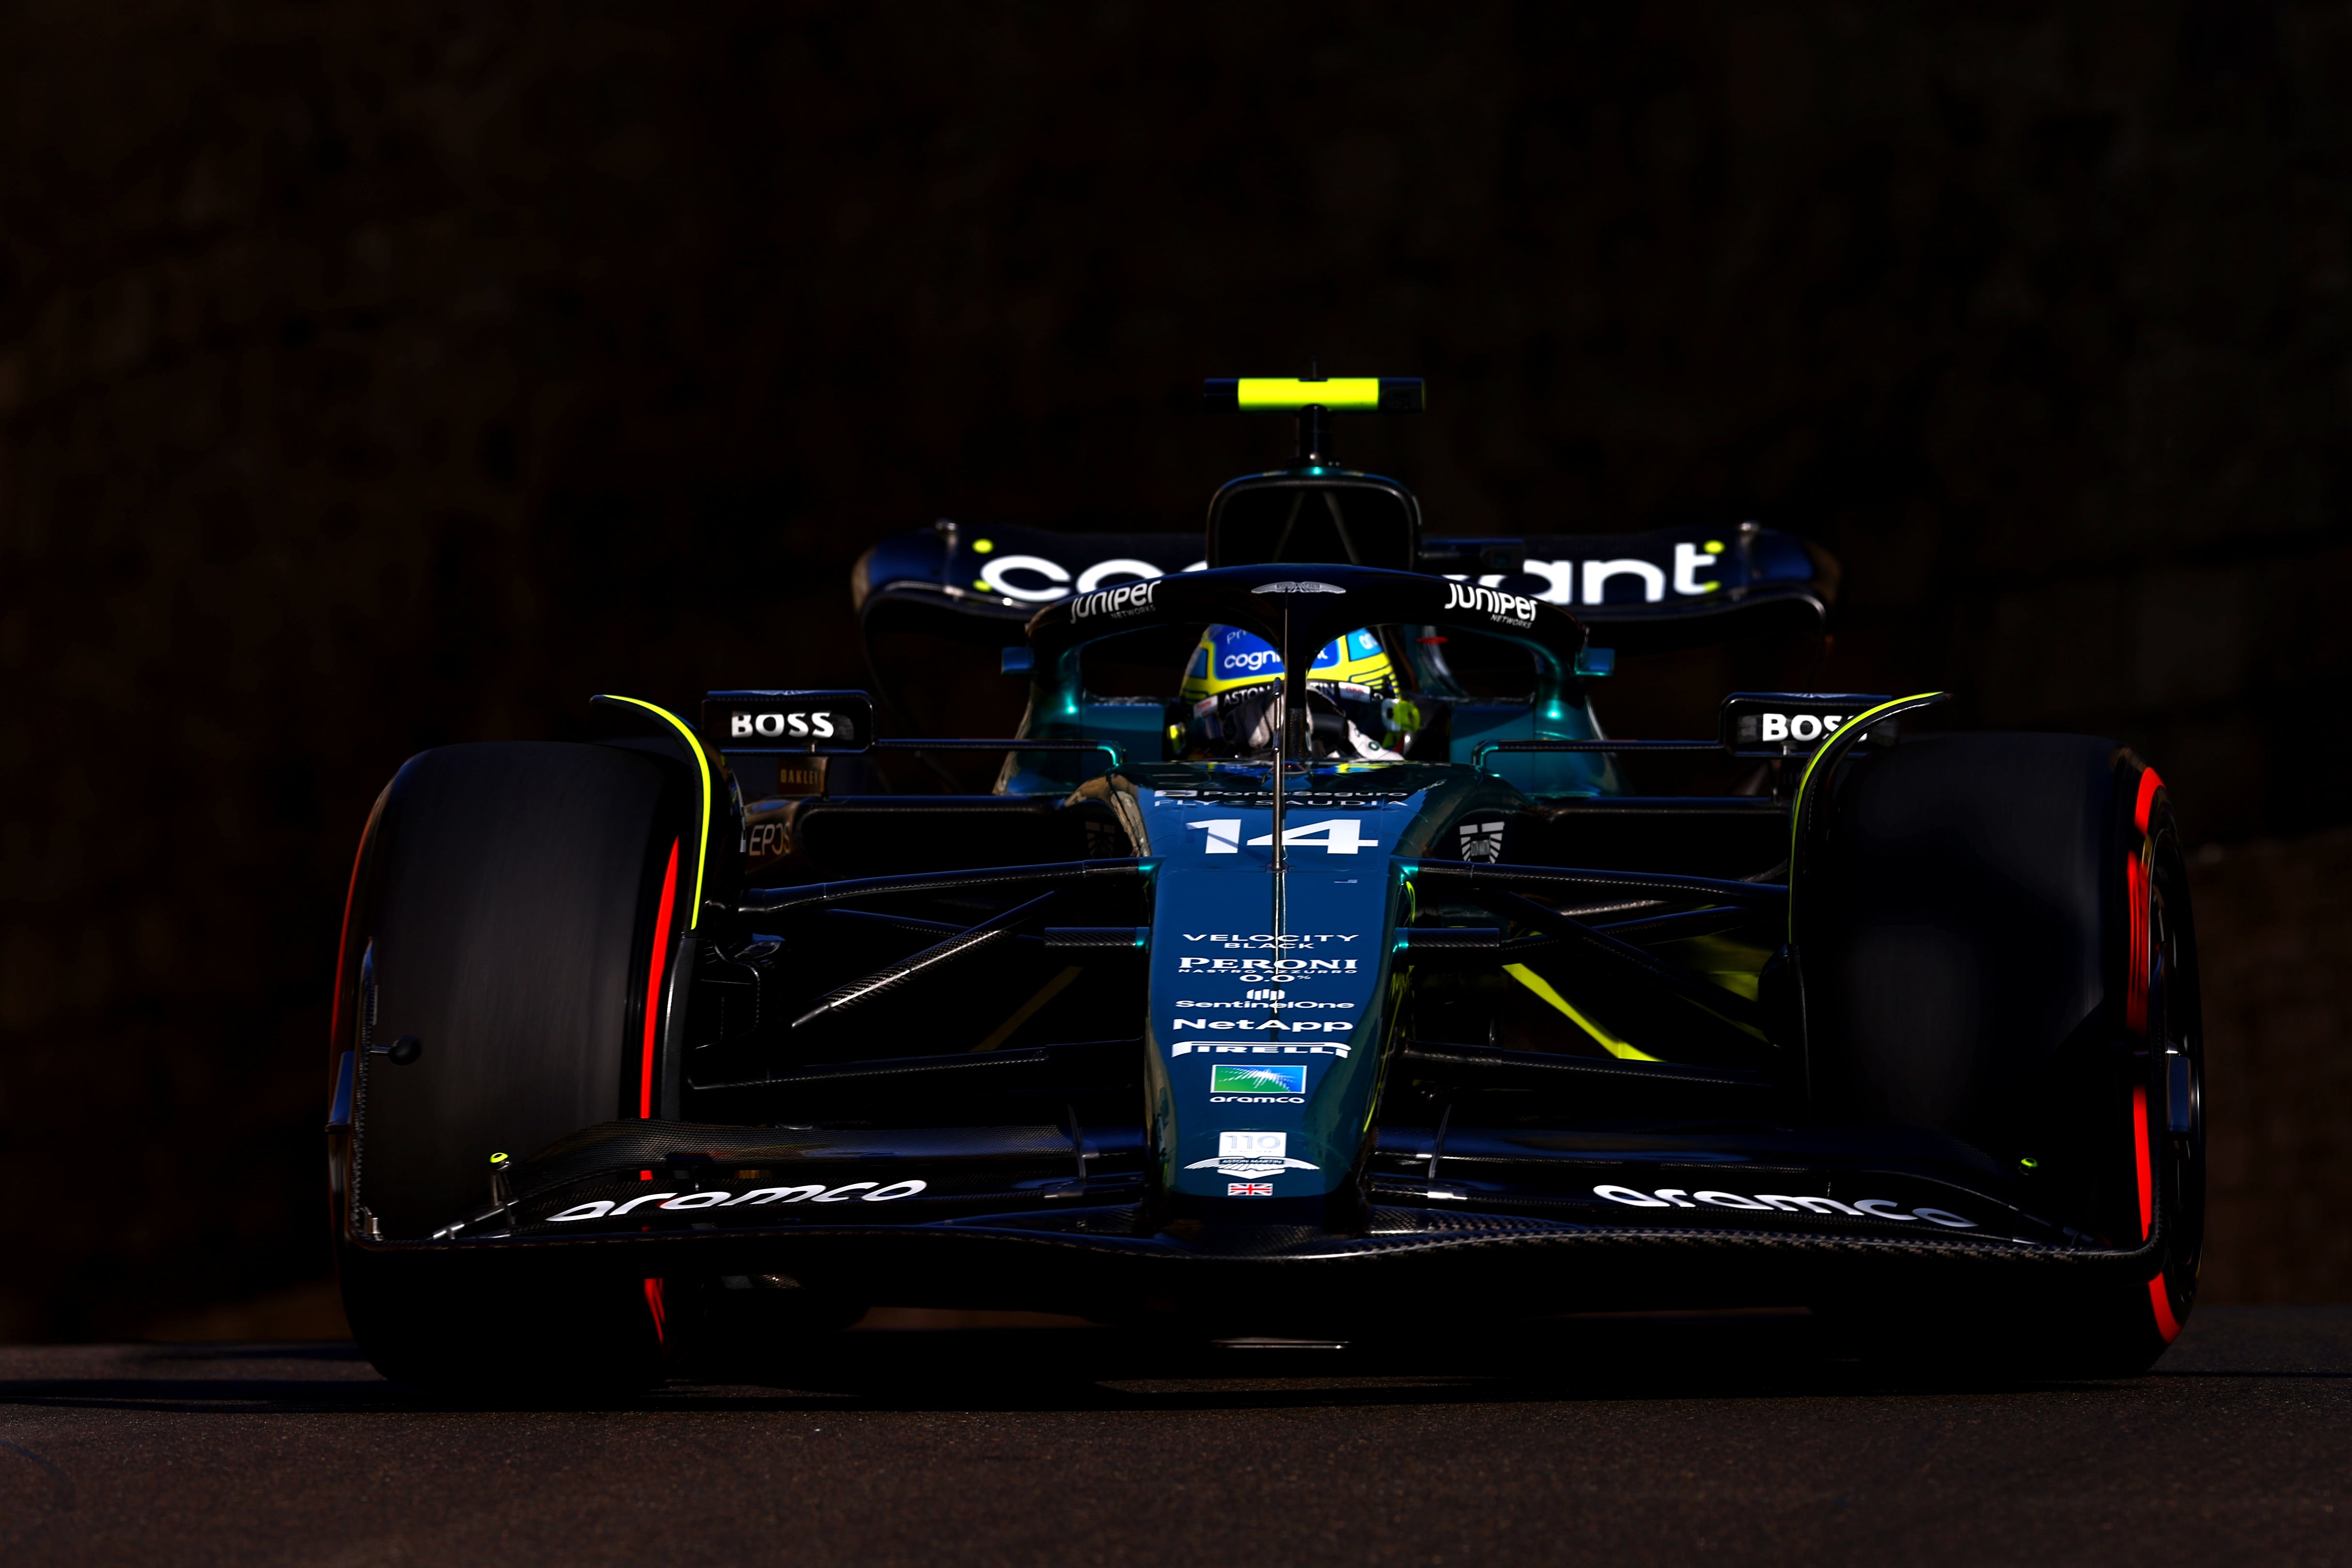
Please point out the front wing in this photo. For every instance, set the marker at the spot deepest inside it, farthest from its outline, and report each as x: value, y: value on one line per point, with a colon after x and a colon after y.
x: 1046, y: 1218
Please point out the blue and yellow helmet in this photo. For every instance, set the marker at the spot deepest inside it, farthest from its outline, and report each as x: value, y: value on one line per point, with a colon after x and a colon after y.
x: 1234, y: 681
x: 1229, y: 659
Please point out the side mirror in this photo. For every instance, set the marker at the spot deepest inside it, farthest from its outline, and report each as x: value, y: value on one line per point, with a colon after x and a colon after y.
x: 761, y: 723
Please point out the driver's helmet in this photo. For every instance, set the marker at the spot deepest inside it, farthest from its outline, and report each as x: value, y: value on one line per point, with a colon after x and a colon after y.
x: 1231, y: 683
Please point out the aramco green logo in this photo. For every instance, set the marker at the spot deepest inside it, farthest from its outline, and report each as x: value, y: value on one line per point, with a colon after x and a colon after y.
x: 1224, y: 1079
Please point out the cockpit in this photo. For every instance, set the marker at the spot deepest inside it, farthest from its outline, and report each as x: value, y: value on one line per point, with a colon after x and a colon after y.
x: 1232, y: 695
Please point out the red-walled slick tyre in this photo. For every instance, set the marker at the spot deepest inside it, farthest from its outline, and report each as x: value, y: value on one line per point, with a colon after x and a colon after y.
x: 1996, y: 947
x: 512, y: 917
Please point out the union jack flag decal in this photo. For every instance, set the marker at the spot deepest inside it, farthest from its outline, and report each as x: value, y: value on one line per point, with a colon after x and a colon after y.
x: 1249, y: 1189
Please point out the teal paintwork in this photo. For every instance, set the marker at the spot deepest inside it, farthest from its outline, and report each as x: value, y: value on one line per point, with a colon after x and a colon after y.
x: 1304, y: 986
x: 1287, y: 981
x: 1060, y: 708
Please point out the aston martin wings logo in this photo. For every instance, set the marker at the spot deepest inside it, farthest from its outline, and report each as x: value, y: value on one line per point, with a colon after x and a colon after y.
x: 1299, y: 588
x: 1252, y: 1154
x: 1483, y: 840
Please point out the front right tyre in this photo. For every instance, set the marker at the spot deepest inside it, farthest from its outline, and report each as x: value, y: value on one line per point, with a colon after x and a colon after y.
x: 515, y: 921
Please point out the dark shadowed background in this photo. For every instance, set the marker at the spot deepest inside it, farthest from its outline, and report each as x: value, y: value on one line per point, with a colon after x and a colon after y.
x: 379, y: 375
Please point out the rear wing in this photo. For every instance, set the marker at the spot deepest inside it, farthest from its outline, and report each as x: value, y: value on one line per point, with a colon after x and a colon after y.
x: 1676, y: 587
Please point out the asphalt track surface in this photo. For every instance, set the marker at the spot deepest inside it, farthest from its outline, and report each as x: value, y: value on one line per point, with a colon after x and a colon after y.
x: 1718, y: 1439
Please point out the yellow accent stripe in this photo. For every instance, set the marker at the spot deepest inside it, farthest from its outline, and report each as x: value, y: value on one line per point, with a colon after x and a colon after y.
x: 701, y: 760
x: 1029, y: 1009
x: 1853, y: 726
x: 1608, y: 1042
x: 1357, y: 394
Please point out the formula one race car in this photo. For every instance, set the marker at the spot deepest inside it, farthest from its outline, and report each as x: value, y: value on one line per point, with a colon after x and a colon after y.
x: 1345, y: 981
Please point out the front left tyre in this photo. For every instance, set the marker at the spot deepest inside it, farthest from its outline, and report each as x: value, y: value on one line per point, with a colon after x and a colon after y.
x: 1998, y: 948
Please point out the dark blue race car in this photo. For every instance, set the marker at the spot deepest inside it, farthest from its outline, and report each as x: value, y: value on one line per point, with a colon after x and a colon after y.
x: 1317, y: 965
